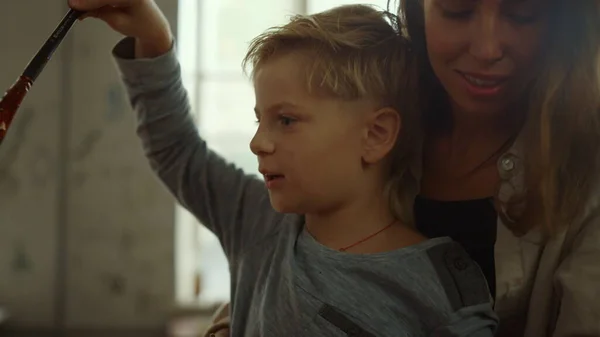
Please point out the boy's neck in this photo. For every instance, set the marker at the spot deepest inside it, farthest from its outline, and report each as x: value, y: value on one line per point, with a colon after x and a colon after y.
x: 358, y: 220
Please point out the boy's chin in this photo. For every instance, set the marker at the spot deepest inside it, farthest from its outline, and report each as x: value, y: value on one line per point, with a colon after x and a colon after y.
x: 285, y: 206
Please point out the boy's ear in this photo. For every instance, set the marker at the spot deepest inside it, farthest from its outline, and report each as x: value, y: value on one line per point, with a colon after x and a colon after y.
x: 381, y: 131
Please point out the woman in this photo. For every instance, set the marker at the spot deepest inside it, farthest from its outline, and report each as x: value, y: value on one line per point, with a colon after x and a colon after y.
x: 512, y: 94
x: 510, y: 101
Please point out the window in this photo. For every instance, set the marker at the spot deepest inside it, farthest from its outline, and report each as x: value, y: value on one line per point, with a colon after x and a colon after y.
x: 212, y: 41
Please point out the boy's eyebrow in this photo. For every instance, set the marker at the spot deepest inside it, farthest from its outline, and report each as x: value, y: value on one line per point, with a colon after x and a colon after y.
x: 276, y: 107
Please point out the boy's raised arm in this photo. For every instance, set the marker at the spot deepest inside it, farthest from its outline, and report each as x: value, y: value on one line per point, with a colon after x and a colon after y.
x: 231, y: 204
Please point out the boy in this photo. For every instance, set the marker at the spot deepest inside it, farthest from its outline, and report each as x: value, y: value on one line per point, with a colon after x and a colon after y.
x: 324, y: 245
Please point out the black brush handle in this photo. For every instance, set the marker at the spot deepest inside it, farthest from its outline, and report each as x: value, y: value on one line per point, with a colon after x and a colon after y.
x: 39, y: 61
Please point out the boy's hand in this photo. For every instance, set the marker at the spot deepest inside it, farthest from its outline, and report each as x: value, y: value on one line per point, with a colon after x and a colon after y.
x: 141, y: 19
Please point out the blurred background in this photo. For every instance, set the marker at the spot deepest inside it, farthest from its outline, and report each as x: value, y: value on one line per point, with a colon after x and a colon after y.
x: 90, y: 242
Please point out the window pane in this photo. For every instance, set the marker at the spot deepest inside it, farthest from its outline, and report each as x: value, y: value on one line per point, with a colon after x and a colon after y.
x: 214, y: 267
x: 226, y: 106
x: 227, y: 27
x: 227, y: 121
x: 321, y: 5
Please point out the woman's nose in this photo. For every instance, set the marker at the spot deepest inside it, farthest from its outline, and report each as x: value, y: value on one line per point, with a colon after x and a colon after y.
x: 486, y: 38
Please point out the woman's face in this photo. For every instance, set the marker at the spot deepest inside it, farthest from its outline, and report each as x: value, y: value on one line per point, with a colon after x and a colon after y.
x: 484, y: 52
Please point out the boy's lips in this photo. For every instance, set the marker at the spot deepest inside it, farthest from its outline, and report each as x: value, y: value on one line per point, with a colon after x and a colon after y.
x: 271, y: 177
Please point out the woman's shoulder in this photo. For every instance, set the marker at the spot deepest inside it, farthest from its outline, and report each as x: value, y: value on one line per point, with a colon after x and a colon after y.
x: 582, y: 195
x: 588, y: 215
x: 578, y: 272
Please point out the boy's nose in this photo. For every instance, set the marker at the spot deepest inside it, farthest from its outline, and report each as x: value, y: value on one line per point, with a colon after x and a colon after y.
x: 260, y: 144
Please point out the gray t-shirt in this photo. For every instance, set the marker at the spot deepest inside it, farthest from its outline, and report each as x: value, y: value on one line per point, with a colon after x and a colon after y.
x: 283, y: 282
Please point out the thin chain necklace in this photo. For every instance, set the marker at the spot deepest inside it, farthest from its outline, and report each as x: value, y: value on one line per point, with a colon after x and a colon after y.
x: 343, y: 249
x: 496, y: 153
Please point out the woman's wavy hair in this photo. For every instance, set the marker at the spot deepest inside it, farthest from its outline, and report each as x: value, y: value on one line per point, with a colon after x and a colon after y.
x: 561, y: 131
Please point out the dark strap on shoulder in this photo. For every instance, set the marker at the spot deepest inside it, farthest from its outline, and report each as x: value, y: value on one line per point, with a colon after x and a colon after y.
x: 339, y: 320
x: 462, y: 279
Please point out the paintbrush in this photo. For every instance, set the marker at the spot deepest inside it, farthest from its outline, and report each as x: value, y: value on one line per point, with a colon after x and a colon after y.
x: 14, y: 96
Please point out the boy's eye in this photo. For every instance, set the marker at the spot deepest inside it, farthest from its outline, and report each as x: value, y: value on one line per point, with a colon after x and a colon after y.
x: 286, y: 121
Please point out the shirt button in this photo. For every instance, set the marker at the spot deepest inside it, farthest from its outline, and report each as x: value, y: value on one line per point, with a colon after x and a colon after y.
x: 507, y: 164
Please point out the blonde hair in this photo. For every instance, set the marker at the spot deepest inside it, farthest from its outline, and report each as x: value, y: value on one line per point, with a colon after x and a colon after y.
x: 561, y: 133
x: 355, y: 52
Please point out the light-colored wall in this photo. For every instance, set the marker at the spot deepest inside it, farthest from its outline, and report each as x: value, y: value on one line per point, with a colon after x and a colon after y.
x: 86, y: 231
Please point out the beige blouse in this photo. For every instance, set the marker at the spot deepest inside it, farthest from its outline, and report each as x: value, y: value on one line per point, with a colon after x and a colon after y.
x: 550, y: 289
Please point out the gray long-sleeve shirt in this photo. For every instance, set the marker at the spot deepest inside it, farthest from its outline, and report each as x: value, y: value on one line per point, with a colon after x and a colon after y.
x: 283, y: 282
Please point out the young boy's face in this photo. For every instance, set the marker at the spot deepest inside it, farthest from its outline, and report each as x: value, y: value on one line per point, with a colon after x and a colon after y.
x: 309, y: 146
